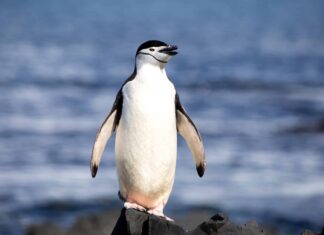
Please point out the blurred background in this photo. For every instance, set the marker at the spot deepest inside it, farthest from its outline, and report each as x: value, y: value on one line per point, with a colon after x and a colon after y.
x: 250, y: 74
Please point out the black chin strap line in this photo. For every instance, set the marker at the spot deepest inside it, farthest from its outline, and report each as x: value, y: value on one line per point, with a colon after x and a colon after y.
x: 144, y: 53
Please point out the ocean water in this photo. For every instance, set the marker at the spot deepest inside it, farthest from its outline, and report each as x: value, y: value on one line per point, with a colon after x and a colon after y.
x: 248, y: 73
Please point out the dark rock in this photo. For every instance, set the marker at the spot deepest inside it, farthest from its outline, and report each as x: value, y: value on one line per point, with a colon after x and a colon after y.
x: 94, y: 224
x: 220, y: 224
x: 134, y: 222
x: 308, y: 232
x: 101, y: 223
x: 45, y: 229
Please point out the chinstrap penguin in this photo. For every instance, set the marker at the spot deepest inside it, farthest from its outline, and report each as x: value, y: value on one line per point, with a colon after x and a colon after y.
x: 146, y: 117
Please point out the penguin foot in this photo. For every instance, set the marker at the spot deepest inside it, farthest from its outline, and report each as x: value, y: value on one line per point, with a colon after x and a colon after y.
x: 132, y: 205
x: 159, y: 212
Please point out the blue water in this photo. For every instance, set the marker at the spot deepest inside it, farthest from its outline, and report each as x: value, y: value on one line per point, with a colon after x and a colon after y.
x: 246, y: 72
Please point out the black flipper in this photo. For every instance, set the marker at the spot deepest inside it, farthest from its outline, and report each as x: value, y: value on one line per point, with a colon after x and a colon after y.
x: 107, y: 128
x: 188, y: 130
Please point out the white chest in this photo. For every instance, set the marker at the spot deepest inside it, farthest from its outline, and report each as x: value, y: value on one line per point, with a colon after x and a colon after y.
x: 146, y: 141
x: 150, y: 97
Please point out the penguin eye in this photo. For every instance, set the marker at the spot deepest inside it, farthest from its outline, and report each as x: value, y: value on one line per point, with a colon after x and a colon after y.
x: 151, y: 49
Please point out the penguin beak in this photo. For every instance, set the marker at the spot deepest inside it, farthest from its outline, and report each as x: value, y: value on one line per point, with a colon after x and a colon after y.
x: 169, y: 50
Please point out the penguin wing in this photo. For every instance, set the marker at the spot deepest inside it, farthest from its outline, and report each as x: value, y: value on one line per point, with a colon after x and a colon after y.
x: 107, y: 128
x: 190, y: 133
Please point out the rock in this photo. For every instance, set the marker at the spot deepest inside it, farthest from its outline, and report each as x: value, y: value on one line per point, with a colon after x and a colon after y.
x: 308, y: 232
x: 133, y: 222
x: 45, y: 229
x: 221, y: 225
x: 94, y: 224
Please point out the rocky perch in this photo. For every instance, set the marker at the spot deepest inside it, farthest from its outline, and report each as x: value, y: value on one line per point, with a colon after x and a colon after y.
x: 134, y: 222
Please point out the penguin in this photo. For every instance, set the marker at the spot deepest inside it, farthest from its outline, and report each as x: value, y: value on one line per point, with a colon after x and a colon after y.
x: 146, y: 116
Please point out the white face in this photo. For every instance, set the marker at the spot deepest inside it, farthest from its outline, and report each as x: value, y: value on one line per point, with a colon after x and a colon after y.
x: 156, y: 55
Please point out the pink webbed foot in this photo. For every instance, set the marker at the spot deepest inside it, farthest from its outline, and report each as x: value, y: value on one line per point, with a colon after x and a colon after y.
x: 132, y: 205
x: 158, y: 211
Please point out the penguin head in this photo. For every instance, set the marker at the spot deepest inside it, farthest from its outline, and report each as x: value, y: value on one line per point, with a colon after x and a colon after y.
x: 155, y: 52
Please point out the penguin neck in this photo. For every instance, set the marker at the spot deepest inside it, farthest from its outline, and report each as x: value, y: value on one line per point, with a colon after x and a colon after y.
x: 147, y: 69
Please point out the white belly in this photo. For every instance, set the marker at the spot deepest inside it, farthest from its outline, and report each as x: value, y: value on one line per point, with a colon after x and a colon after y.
x: 146, y: 141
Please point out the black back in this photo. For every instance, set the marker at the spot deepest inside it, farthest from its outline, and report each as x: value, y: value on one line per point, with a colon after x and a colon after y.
x: 150, y: 43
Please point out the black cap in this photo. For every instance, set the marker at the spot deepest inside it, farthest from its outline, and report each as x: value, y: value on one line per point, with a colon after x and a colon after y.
x: 150, y: 43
